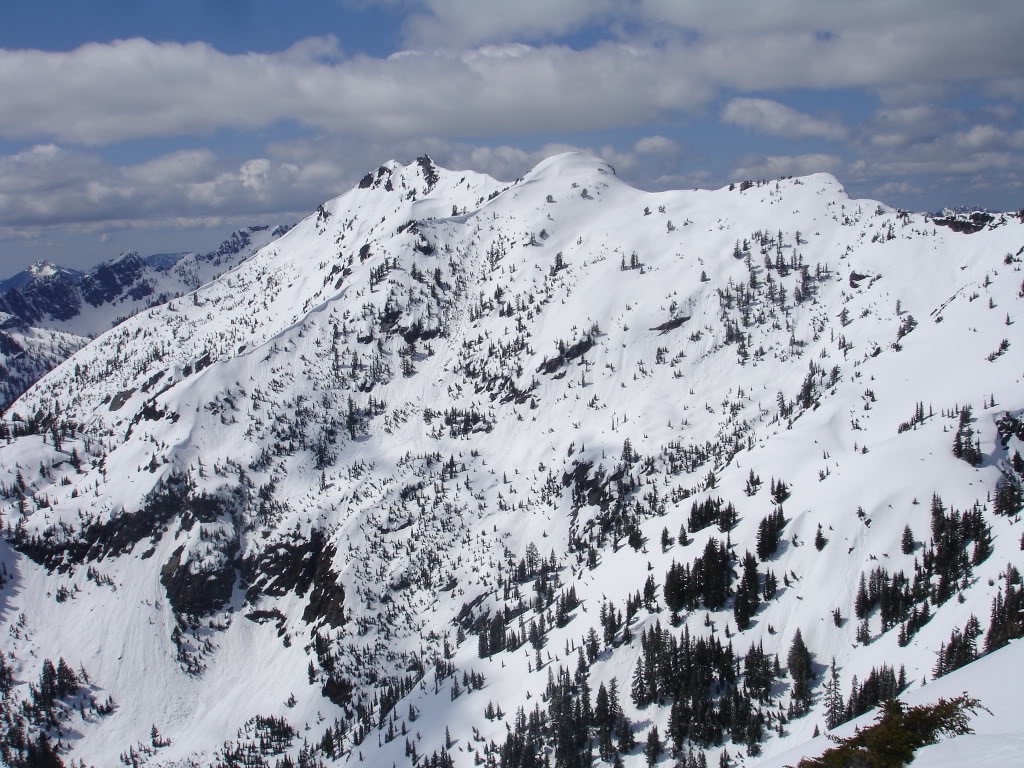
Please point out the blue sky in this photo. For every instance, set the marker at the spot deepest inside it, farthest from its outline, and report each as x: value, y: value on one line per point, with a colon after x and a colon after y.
x: 154, y: 126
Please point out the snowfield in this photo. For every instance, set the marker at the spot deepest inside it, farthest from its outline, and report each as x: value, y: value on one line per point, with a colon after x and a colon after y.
x: 283, y: 519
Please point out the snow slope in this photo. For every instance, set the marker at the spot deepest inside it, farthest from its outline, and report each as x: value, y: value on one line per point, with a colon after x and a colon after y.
x: 304, y: 488
x: 997, y: 740
x: 47, y: 312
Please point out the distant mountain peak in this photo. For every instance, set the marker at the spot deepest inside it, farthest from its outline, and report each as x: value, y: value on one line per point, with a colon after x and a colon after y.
x: 43, y: 268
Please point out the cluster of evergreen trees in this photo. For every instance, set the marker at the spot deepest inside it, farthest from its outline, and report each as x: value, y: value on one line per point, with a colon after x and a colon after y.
x: 1007, y: 615
x: 965, y: 444
x: 960, y: 541
x: 706, y: 583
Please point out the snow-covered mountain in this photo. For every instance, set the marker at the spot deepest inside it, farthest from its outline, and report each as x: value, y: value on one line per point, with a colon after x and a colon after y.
x: 466, y: 472
x: 47, y: 311
x: 41, y: 270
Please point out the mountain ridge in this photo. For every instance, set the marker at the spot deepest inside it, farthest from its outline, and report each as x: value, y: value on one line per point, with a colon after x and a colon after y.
x: 441, y: 400
x: 48, y: 311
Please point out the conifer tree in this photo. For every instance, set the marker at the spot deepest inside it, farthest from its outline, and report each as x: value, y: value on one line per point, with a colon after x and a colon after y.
x: 653, y: 747
x: 907, y: 542
x: 834, y: 707
x: 799, y: 662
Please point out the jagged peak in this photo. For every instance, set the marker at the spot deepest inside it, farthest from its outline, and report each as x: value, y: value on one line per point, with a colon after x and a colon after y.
x: 381, y: 175
x: 43, y: 268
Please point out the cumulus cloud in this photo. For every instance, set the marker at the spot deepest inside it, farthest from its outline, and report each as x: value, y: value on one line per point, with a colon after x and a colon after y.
x: 769, y: 116
x: 786, y: 165
x: 787, y: 43
x: 890, y: 188
x: 471, y: 22
x: 656, y: 145
x: 895, y: 32
x: 898, y: 128
x: 445, y: 84
x: 473, y: 70
x: 47, y: 185
x: 912, y: 149
x: 934, y: 164
x: 177, y: 167
x: 130, y: 89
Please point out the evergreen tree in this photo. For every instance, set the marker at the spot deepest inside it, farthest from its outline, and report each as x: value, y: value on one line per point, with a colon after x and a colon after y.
x: 861, y: 603
x: 1006, y: 620
x: 834, y: 707
x: 640, y: 690
x: 799, y: 662
x: 907, y: 542
x: 1009, y: 495
x: 769, y: 530
x: 653, y: 747
x: 747, y: 593
x: 625, y: 735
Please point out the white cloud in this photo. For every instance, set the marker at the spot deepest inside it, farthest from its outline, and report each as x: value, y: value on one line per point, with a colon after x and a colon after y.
x: 52, y: 186
x: 911, y: 116
x: 181, y: 166
x: 891, y: 188
x: 1002, y: 111
x: 769, y: 116
x: 907, y: 126
x: 980, y: 136
x: 786, y: 165
x: 1010, y: 88
x: 254, y: 173
x: 655, y: 145
x: 945, y: 167
x: 103, y: 93
x: 760, y: 46
x: 471, y: 22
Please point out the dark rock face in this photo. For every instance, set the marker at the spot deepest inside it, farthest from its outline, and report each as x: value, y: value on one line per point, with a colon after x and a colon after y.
x: 24, y: 363
x: 238, y: 241
x: 670, y: 325
x: 296, y: 567
x: 580, y: 348
x: 327, y: 601
x: 429, y: 171
x: 108, y: 281
x: 8, y: 346
x: 98, y: 540
x: 196, y: 591
x: 60, y: 296
x: 56, y: 297
x: 968, y: 225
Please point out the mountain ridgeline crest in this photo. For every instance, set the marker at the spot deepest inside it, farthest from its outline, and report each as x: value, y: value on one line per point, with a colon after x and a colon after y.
x: 550, y: 472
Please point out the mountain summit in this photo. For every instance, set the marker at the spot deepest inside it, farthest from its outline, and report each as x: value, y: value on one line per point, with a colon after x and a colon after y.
x: 463, y: 472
